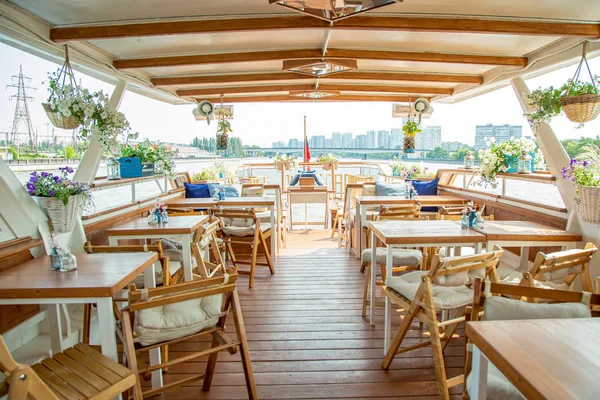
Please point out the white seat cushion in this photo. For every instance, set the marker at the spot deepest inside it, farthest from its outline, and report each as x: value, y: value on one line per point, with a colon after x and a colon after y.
x: 498, y: 387
x: 177, y: 320
x: 245, y: 230
x: 509, y: 276
x: 402, y: 257
x: 444, y: 297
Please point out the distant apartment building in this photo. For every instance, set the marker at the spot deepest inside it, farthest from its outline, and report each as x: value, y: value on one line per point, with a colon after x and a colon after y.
x: 279, y: 144
x: 383, y: 139
x: 328, y: 143
x: 294, y: 144
x: 317, y: 141
x: 396, y: 136
x: 502, y: 133
x: 336, y: 140
x: 429, y: 138
x: 347, y: 140
x: 371, y: 139
x: 360, y: 142
x: 452, y: 146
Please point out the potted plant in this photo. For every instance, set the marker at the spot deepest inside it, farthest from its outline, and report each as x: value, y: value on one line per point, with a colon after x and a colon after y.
x: 503, y: 157
x: 281, y: 160
x: 223, y: 129
x: 206, y: 175
x: 415, y: 171
x: 146, y: 159
x: 410, y: 129
x: 328, y: 160
x: 584, y: 172
x: 61, y: 199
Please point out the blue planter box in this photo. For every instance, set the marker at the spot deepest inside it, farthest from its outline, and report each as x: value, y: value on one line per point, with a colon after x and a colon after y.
x: 513, y: 163
x: 131, y: 167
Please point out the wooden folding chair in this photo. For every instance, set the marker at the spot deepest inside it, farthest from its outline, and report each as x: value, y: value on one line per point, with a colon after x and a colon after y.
x: 454, y: 213
x: 403, y: 260
x: 207, y: 302
x: 560, y: 270
x: 415, y: 293
x: 77, y: 373
x: 243, y: 227
x: 495, y: 301
x: 206, y: 242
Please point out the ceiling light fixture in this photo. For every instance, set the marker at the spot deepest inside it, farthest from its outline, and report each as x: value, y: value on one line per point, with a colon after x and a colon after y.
x: 319, y: 68
x: 332, y: 10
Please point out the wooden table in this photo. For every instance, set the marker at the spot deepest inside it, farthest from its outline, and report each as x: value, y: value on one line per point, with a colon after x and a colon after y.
x: 178, y: 228
x: 525, y: 234
x: 260, y: 202
x: 416, y: 233
x: 362, y: 202
x: 97, y: 278
x: 315, y: 196
x: 544, y: 359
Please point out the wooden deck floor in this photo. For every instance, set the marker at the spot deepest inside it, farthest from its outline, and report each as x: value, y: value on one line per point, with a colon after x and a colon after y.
x: 308, y: 340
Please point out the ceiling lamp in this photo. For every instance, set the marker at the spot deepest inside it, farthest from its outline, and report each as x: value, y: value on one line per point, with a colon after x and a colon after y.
x: 332, y: 10
x: 319, y: 68
x: 314, y: 94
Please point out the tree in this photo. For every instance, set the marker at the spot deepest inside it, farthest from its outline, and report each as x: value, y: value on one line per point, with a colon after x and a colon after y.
x: 439, y: 153
x: 575, y: 147
x: 70, y: 153
x: 462, y: 152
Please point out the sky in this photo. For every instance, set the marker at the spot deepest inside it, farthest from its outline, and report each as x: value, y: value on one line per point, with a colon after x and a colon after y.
x: 264, y: 123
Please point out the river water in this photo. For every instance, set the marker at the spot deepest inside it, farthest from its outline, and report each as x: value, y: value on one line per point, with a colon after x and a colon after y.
x: 109, y: 198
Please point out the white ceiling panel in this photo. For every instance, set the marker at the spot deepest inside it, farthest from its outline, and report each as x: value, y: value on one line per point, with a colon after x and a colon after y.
x: 463, y: 43
x: 240, y: 67
x: 420, y: 67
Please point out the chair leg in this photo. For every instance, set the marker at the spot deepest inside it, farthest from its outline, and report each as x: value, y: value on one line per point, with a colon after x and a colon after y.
x: 436, y: 343
x: 130, y: 354
x: 410, y: 314
x: 333, y: 228
x: 366, y: 292
x: 229, y: 248
x: 245, y: 353
x: 253, y: 261
x: 87, y: 321
x: 450, y: 329
x: 212, y: 359
x: 267, y: 253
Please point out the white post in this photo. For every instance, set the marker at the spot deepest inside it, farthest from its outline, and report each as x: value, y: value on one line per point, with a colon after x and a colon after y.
x: 88, y: 166
x: 553, y: 150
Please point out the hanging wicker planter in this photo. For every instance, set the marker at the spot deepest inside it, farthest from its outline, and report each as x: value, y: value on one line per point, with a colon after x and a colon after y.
x: 56, y: 118
x: 409, y: 144
x: 584, y: 107
x: 222, y: 141
x: 590, y: 203
x: 63, y: 217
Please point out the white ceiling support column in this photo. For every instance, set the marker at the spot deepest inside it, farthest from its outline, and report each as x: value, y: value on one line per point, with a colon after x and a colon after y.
x: 554, y: 153
x: 88, y: 166
x: 19, y: 210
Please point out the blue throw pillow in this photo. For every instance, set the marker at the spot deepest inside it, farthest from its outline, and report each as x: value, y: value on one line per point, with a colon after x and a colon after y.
x: 426, y: 188
x: 306, y: 174
x: 230, y: 191
x: 196, y: 190
x: 390, y: 189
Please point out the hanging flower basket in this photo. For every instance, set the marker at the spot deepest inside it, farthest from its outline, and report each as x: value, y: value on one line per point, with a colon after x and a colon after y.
x: 63, y: 217
x: 327, y: 165
x: 59, y: 120
x: 580, y: 109
x: 65, y: 105
x: 281, y: 164
x: 590, y: 203
x: 409, y: 144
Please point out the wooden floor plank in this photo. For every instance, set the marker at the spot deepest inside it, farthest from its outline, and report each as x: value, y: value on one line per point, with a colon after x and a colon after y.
x: 308, y: 340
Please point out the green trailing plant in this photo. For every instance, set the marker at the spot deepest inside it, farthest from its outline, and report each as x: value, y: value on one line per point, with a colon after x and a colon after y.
x: 411, y: 128
x: 223, y: 131
x: 206, y: 174
x: 159, y: 154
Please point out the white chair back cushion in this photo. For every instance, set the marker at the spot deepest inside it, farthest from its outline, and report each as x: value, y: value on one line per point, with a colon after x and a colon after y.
x: 501, y: 309
x: 459, y: 278
x: 177, y: 320
x: 560, y: 273
x: 253, y: 191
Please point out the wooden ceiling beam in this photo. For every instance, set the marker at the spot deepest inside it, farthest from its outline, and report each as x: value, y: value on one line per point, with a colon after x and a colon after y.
x: 308, y: 87
x: 280, y: 76
x: 225, y: 58
x: 373, y: 23
x: 281, y: 98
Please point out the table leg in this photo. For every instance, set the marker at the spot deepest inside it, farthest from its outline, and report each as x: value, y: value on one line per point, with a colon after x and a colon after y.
x: 274, y: 234
x: 327, y: 226
x: 55, y: 328
x: 305, y: 216
x: 524, y: 260
x: 186, y: 248
x: 106, y: 322
x: 478, y: 248
x: 388, y: 304
x: 372, y: 286
x: 113, y: 241
x: 479, y: 374
x: 361, y: 218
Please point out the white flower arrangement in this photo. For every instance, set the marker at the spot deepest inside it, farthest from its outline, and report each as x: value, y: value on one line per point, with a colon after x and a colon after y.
x: 293, y: 160
x: 92, y: 110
